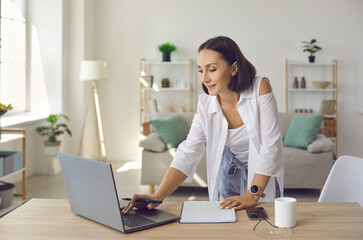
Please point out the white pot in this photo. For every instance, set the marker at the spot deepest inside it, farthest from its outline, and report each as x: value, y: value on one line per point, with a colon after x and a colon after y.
x: 51, y: 148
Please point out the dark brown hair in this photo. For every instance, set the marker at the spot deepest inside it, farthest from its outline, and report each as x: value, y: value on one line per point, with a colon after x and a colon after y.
x: 231, y: 53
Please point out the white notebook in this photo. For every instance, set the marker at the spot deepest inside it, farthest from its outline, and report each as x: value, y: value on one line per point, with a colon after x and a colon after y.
x: 206, y: 212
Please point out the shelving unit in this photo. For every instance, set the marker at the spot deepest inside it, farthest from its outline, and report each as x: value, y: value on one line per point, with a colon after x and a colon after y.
x: 310, y: 99
x: 9, y: 135
x: 175, y: 94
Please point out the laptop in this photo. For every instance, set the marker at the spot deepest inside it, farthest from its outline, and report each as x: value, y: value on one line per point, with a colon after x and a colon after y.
x: 92, y: 194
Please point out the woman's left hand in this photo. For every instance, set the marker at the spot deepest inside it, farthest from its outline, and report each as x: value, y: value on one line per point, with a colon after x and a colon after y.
x: 238, y: 202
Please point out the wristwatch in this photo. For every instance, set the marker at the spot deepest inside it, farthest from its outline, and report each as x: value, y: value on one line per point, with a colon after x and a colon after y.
x: 256, y: 190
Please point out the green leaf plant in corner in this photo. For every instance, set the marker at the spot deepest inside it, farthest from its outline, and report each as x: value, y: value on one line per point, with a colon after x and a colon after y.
x: 53, y: 129
x: 312, y: 48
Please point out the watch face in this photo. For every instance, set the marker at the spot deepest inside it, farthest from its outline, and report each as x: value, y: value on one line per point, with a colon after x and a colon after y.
x: 254, y: 188
x: 179, y: 83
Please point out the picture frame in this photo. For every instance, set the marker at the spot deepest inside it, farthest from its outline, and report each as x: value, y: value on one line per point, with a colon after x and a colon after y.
x: 147, y: 81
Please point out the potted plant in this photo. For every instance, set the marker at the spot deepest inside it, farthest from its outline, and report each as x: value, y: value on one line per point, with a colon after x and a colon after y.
x: 166, y: 49
x: 312, y: 48
x: 52, y: 130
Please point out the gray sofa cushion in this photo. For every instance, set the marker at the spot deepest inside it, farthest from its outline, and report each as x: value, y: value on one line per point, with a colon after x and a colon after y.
x: 321, y: 144
x: 153, y: 143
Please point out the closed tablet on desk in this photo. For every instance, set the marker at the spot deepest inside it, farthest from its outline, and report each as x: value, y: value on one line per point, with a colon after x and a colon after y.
x: 206, y: 212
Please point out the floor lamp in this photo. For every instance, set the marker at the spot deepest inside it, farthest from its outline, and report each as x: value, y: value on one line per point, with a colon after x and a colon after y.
x: 93, y: 71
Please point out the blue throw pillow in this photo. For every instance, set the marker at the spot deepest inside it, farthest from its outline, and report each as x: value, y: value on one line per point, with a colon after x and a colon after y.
x: 171, y: 130
x: 303, y: 131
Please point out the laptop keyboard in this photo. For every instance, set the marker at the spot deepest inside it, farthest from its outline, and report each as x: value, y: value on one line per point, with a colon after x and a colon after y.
x: 135, y: 220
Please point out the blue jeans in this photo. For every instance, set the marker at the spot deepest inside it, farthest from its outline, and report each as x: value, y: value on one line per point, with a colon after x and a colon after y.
x: 233, y: 176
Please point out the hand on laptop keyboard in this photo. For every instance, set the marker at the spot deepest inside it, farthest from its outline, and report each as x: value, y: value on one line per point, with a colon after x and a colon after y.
x: 126, y: 209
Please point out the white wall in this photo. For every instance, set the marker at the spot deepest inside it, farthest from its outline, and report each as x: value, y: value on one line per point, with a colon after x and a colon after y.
x: 267, y: 32
x: 73, y: 51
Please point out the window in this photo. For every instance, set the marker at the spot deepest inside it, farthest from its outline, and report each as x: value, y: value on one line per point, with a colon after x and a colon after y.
x: 13, y: 68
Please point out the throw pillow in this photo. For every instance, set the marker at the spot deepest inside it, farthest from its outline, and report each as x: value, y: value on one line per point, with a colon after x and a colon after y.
x: 153, y: 143
x: 303, y: 130
x: 321, y: 144
x: 171, y: 130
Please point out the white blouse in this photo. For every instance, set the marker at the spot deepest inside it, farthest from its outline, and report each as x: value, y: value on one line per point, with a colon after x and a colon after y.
x: 209, y: 131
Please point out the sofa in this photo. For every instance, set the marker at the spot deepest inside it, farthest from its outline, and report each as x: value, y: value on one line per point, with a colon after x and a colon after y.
x: 304, y: 168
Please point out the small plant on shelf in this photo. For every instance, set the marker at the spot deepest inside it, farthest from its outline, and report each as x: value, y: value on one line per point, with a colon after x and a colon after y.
x: 312, y: 48
x: 166, y: 49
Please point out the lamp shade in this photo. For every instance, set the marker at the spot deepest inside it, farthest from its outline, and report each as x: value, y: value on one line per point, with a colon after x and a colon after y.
x: 93, y: 70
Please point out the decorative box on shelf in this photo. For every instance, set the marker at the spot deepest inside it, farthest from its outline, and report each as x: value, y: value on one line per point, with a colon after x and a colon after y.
x: 330, y: 127
x: 10, y: 161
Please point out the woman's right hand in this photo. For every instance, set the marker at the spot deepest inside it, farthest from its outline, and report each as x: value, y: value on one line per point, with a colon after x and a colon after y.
x: 171, y: 181
x: 130, y: 205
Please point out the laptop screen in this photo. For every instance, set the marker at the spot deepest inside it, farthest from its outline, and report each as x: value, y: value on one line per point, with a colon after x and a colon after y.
x: 91, y: 190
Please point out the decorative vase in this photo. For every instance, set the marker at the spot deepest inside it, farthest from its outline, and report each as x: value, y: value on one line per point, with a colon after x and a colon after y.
x: 296, y: 83
x: 311, y: 59
x: 165, y: 83
x: 181, y: 107
x: 166, y: 56
x: 170, y: 107
x: 303, y: 83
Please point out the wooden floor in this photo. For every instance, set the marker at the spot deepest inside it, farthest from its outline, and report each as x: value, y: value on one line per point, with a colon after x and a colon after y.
x: 127, y: 178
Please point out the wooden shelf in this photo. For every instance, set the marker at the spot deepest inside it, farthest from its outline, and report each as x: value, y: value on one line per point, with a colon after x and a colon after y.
x: 165, y: 89
x: 330, y: 116
x: 156, y: 98
x: 3, y: 178
x: 312, y: 97
x: 306, y: 63
x: 311, y: 90
x: 167, y: 63
x: 8, y: 135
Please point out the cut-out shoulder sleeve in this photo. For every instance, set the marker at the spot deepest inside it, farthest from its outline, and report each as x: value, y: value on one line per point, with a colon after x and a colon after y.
x: 265, y: 87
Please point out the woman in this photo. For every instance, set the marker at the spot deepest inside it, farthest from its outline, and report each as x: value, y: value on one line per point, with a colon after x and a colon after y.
x: 237, y: 123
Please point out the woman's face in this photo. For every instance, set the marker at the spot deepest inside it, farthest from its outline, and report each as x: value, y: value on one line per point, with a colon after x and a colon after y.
x: 214, y: 71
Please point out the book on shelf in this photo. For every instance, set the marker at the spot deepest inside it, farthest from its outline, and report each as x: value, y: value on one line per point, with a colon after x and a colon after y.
x: 327, y: 107
x: 150, y: 105
x: 153, y: 105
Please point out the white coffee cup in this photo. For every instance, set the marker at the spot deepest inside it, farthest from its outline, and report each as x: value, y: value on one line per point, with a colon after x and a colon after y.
x: 285, y: 212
